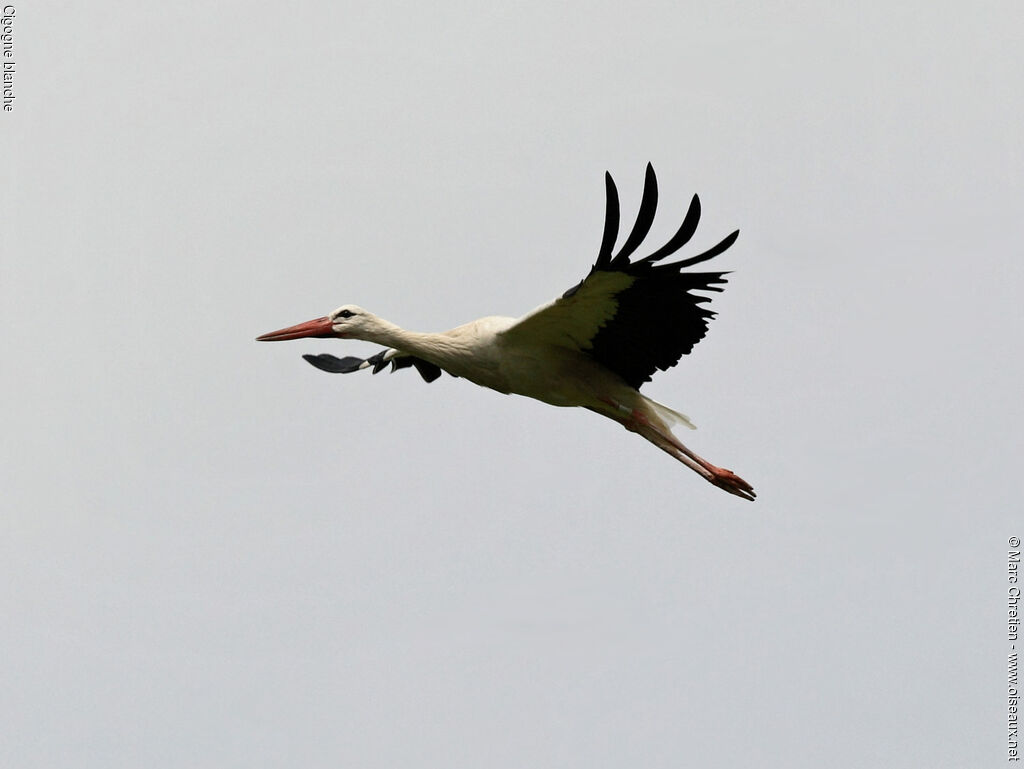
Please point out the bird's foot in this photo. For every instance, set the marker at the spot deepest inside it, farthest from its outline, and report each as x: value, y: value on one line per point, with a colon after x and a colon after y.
x: 729, y: 481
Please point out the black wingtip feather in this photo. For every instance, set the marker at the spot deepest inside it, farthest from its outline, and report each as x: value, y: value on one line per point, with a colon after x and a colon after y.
x: 333, y: 365
x: 644, y: 218
x: 427, y: 370
x: 378, y: 361
x: 712, y: 252
x: 611, y: 223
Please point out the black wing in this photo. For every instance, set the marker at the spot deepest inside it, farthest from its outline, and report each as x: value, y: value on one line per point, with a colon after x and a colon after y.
x: 377, y: 362
x: 633, y: 317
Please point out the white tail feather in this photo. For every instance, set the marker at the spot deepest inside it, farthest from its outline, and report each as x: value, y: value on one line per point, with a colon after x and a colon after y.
x: 669, y: 416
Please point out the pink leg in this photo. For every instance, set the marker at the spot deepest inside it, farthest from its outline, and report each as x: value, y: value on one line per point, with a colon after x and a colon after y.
x: 724, y: 479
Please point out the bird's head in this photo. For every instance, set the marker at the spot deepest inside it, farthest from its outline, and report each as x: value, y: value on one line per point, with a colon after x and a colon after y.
x: 348, y: 321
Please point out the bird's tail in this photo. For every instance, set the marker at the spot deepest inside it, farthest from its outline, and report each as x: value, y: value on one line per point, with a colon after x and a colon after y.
x: 670, y: 417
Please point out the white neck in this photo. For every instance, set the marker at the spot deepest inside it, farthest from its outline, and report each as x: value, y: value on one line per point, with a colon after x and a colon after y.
x: 433, y: 347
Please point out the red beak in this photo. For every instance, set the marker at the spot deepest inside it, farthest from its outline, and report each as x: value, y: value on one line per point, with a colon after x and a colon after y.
x: 321, y: 327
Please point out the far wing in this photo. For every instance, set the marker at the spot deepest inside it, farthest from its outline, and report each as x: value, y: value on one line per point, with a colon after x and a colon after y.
x: 377, y: 362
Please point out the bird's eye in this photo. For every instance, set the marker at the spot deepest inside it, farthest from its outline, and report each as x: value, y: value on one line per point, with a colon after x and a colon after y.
x: 344, y: 314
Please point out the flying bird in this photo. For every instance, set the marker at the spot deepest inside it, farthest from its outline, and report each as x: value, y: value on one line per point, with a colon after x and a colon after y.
x: 594, y: 346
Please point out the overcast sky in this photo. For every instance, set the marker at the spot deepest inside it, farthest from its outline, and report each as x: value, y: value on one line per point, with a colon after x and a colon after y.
x: 214, y: 555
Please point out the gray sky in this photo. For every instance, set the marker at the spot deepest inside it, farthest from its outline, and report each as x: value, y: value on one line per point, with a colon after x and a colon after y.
x: 213, y: 555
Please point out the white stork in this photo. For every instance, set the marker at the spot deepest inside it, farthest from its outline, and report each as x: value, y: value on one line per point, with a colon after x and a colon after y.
x: 592, y: 347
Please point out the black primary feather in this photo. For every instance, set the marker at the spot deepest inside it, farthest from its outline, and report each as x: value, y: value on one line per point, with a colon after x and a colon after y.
x: 334, y: 365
